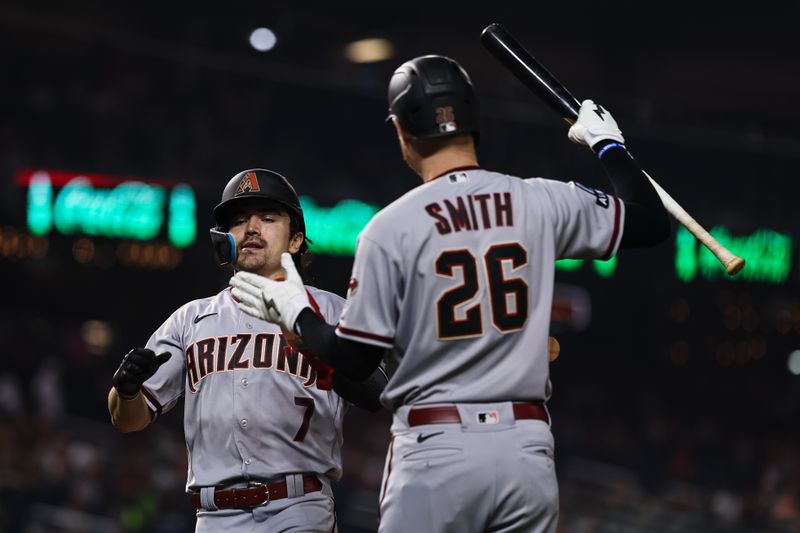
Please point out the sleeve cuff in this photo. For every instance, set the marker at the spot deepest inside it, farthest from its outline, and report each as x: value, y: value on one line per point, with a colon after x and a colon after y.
x: 364, y: 337
x: 616, y: 232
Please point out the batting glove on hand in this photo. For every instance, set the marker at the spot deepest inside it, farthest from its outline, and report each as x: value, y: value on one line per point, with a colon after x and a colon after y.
x: 137, y: 366
x: 594, y: 124
x: 279, y: 302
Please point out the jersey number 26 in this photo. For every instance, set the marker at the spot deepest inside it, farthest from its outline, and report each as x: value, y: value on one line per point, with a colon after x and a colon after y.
x: 508, y: 297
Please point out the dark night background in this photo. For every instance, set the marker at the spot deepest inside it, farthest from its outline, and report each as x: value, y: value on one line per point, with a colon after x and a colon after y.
x: 674, y: 409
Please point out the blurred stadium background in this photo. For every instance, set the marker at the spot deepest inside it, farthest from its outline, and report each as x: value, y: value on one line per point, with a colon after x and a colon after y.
x: 677, y: 395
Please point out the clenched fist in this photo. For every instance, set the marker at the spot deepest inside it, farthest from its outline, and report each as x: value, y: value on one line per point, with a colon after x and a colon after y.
x: 137, y: 366
x: 594, y: 124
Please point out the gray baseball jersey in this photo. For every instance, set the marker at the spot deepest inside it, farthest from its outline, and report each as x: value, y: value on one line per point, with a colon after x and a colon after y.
x: 456, y: 279
x: 252, y: 409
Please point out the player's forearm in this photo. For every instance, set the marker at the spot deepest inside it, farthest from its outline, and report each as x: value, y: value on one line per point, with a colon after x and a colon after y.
x: 364, y: 394
x: 353, y: 359
x: 128, y: 415
x: 646, y: 220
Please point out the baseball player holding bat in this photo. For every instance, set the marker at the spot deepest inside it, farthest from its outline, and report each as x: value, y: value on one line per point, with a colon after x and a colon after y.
x: 263, y: 423
x: 452, y: 283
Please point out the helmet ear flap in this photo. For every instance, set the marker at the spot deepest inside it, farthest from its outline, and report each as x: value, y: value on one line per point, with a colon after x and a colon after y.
x: 224, y: 246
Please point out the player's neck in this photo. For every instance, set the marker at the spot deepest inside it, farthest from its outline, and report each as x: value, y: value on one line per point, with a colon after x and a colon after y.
x: 447, y: 158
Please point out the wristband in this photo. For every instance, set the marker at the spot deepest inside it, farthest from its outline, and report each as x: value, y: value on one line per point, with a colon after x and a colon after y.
x: 608, y: 147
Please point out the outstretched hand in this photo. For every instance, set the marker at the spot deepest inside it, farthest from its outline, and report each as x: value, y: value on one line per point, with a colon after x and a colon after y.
x: 279, y: 302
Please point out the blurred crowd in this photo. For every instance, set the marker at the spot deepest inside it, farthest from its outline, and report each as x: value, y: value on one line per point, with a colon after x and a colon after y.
x: 63, y: 468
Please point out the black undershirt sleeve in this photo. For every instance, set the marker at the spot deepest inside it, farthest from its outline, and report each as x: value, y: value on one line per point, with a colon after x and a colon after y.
x: 364, y: 394
x: 355, y: 360
x: 646, y: 220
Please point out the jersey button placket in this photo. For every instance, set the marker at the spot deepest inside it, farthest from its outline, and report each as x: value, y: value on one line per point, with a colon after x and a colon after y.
x: 242, y: 399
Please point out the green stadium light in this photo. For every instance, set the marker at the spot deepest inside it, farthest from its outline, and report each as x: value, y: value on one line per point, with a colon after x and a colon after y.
x: 40, y: 195
x: 334, y: 230
x: 569, y: 265
x: 132, y: 210
x: 128, y: 210
x: 137, y: 210
x: 685, y: 255
x: 604, y: 269
x: 768, y: 254
x: 181, y: 227
x: 69, y: 205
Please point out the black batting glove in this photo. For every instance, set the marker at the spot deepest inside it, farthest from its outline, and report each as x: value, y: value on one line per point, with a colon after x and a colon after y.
x: 137, y: 366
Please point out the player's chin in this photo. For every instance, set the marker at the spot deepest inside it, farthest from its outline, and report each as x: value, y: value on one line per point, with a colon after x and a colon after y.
x: 251, y: 263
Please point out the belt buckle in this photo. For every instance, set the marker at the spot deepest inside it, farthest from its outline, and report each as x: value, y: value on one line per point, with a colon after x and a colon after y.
x: 254, y: 484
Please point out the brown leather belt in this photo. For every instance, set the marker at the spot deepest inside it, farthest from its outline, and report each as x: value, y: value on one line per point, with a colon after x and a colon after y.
x: 448, y: 414
x: 258, y: 494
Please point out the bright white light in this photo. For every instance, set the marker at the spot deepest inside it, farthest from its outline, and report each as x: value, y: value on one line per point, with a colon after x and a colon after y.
x: 369, y: 50
x: 793, y: 362
x: 263, y: 39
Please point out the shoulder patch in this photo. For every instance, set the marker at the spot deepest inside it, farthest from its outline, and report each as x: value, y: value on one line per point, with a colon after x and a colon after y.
x: 601, y: 198
x: 352, y: 286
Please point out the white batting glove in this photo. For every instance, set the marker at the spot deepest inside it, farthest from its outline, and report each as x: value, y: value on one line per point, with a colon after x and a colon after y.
x: 594, y: 124
x: 279, y: 302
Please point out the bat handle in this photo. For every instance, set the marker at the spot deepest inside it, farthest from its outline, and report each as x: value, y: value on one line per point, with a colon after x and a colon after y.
x: 506, y: 49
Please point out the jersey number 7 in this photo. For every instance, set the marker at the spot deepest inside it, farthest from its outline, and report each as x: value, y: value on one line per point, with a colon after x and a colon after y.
x: 508, y: 297
x: 308, y: 405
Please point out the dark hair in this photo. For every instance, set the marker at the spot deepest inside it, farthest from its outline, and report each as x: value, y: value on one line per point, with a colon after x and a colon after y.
x: 303, y: 258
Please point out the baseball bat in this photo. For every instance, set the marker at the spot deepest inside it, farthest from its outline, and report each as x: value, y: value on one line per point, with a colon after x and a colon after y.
x: 506, y: 49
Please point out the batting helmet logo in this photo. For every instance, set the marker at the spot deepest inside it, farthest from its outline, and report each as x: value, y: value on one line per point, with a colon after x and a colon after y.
x: 432, y: 96
x: 248, y: 184
x: 446, y: 119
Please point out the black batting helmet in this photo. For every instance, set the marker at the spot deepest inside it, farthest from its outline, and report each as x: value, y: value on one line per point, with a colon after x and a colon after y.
x: 432, y: 96
x: 255, y: 183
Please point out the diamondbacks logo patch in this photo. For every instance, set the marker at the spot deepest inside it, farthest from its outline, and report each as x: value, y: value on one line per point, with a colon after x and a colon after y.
x: 249, y: 183
x: 352, y: 286
x: 601, y: 197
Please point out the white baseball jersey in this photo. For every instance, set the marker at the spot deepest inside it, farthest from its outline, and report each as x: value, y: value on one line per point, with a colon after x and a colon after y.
x: 252, y: 409
x: 456, y: 278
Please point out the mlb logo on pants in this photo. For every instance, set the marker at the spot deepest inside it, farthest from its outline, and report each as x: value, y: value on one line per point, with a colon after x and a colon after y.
x: 488, y: 417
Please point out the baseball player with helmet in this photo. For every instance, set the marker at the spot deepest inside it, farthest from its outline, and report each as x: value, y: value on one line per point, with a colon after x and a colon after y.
x: 452, y: 283
x: 263, y: 422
